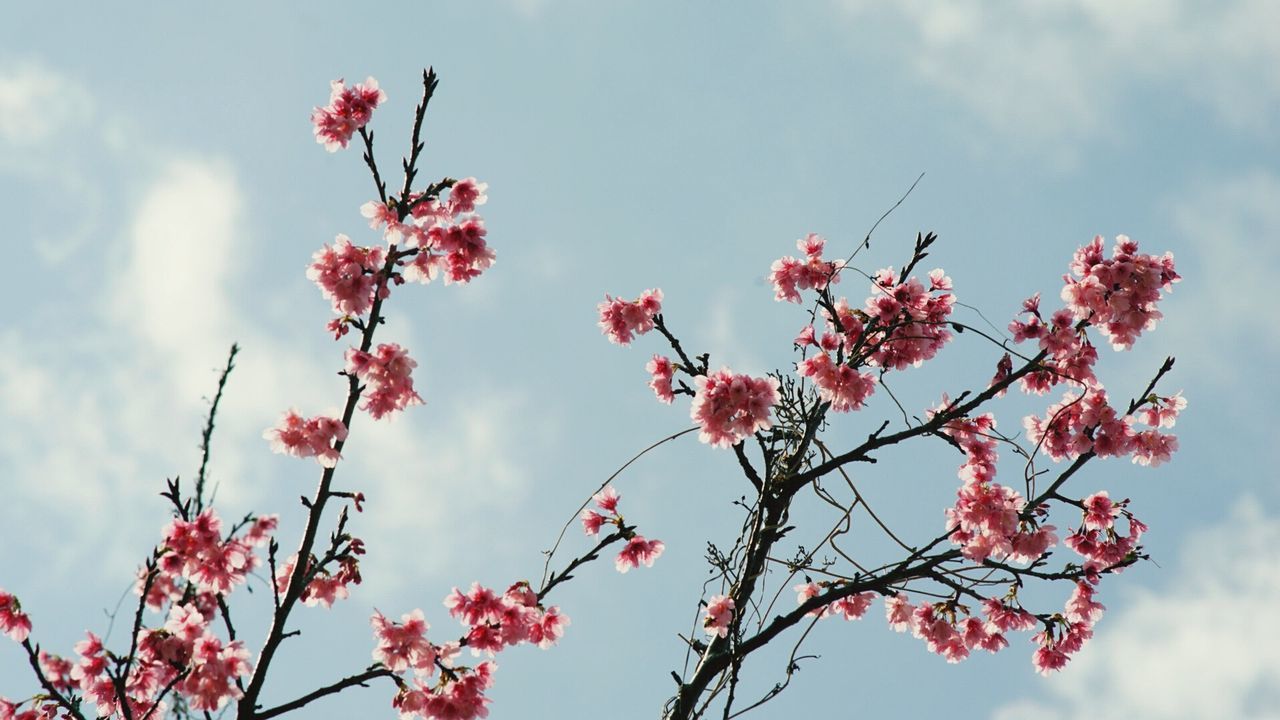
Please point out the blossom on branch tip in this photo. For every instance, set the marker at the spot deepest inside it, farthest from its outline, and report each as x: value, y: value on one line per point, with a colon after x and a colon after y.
x: 1118, y: 295
x: 621, y: 320
x: 661, y: 371
x: 790, y: 275
x: 638, y: 551
x: 349, y: 109
x: 13, y: 622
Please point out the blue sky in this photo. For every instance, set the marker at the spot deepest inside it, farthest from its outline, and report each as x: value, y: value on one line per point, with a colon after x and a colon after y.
x: 163, y: 194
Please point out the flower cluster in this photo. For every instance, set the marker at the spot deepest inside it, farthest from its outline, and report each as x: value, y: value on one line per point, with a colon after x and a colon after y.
x: 731, y: 407
x: 790, y: 275
x: 850, y: 607
x: 1070, y: 356
x: 621, y: 320
x: 1097, y: 540
x: 386, y: 374
x: 638, y: 550
x: 183, y: 654
x: 194, y: 551
x: 349, y: 275
x: 910, y: 322
x: 1118, y: 295
x: 985, y: 521
x: 1068, y: 631
x: 493, y: 622
x: 300, y: 437
x: 839, y: 384
x: 950, y: 631
x: 1081, y: 424
x: 349, y: 109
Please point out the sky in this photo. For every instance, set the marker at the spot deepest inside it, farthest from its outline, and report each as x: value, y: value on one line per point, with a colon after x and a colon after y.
x: 162, y: 195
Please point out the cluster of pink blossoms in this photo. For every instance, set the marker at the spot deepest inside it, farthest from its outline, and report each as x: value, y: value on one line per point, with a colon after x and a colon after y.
x: 952, y: 636
x: 985, y: 522
x: 300, y: 437
x: 1070, y: 356
x: 349, y: 109
x: 1078, y: 425
x: 661, y: 371
x: 638, y: 550
x: 195, y: 551
x: 1097, y: 541
x: 621, y: 320
x: 910, y: 323
x: 439, y: 237
x: 1118, y: 294
x: 40, y: 710
x: 493, y: 622
x: 850, y: 607
x: 790, y: 275
x: 730, y: 408
x: 386, y: 373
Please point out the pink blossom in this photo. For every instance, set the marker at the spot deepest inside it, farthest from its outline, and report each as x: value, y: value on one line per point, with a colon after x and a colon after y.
x: 1163, y: 411
x: 457, y: 250
x: 387, y: 376
x: 898, y: 612
x: 196, y: 551
x: 299, y: 437
x: 1081, y: 606
x: 349, y: 109
x: 789, y: 276
x: 348, y: 275
x: 477, y: 606
x: 853, y: 607
x: 1118, y: 295
x: 621, y: 320
x: 661, y: 370
x: 1006, y: 618
x: 638, y: 551
x: 718, y: 614
x: 549, y: 628
x: 607, y: 499
x: 13, y: 622
x: 404, y: 645
x: 591, y: 521
x: 1099, y: 511
x: 910, y: 322
x: 806, y: 591
x: 842, y: 386
x: 466, y: 194
x: 1153, y: 448
x: 732, y: 407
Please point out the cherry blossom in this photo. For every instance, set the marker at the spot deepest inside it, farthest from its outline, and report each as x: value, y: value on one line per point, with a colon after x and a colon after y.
x: 300, y: 437
x: 13, y: 622
x: 1118, y: 295
x: 349, y: 109
x: 661, y: 370
x: 789, y: 275
x: 621, y: 320
x: 731, y: 407
x: 348, y: 275
x: 718, y: 614
x: 386, y: 373
x: 637, y: 552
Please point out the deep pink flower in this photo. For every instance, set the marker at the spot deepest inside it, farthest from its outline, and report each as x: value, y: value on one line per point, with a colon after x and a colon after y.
x: 404, y: 645
x: 638, y: 551
x: 348, y: 275
x: 789, y: 276
x: 349, y: 109
x: 842, y: 386
x: 591, y: 521
x: 13, y: 622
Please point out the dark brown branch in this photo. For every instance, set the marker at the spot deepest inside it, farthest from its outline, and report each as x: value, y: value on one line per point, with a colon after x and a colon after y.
x: 207, y: 436
x: 360, y: 680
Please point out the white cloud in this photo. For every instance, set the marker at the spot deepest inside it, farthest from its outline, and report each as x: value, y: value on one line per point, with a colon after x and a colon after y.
x: 1201, y: 646
x: 1061, y: 70
x: 37, y: 103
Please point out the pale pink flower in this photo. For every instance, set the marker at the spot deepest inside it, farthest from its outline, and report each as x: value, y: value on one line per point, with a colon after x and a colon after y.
x: 404, y: 645
x: 898, y: 611
x: 300, y: 437
x: 1081, y: 606
x: 466, y: 194
x: 789, y: 276
x: 842, y: 386
x: 718, y: 614
x: 732, y: 407
x: 853, y: 607
x: 549, y: 628
x: 1099, y: 511
x: 638, y: 551
x: 661, y: 370
x: 1163, y: 411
